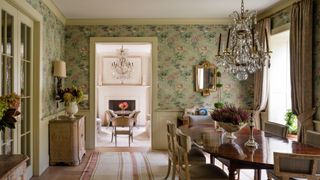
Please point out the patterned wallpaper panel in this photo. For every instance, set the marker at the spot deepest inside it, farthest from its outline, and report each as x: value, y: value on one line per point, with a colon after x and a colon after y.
x: 180, y: 48
x: 53, y: 47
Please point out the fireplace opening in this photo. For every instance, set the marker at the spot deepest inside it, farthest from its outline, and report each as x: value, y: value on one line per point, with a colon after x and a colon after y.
x: 114, y: 105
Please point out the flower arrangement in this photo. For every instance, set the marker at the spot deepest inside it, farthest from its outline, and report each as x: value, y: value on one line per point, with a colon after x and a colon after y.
x: 8, y: 110
x: 123, y: 105
x: 230, y: 114
x: 73, y: 94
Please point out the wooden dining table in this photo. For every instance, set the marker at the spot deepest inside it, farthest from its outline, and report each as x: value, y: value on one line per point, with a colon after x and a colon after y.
x: 240, y: 156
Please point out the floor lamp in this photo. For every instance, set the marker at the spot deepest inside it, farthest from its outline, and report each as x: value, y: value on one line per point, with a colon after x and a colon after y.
x: 59, y: 72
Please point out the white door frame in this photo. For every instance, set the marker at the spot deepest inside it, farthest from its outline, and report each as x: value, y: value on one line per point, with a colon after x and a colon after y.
x: 91, y: 122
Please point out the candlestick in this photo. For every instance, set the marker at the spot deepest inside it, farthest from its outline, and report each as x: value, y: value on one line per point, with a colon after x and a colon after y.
x: 228, y: 39
x: 251, y: 142
x: 219, y: 44
x: 267, y: 43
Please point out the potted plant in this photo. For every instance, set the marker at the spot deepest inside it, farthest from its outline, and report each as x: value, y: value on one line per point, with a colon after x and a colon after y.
x: 291, y: 122
x: 231, y: 118
x: 9, y: 105
x: 71, y: 97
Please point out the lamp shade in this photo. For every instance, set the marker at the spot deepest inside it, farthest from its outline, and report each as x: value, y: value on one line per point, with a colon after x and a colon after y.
x: 59, y: 69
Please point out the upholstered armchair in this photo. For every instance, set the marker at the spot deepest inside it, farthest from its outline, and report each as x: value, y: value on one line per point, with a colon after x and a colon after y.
x: 134, y: 117
x: 109, y: 116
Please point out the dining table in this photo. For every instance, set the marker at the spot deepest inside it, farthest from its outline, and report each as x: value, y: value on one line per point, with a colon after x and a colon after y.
x: 215, y: 143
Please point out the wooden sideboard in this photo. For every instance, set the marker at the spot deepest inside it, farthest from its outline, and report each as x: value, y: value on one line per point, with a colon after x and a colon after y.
x: 67, y: 140
x: 13, y: 167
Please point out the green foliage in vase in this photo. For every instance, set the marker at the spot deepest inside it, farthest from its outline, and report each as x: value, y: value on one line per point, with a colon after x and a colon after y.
x: 8, y: 110
x: 218, y: 105
x: 219, y: 85
x: 291, y: 122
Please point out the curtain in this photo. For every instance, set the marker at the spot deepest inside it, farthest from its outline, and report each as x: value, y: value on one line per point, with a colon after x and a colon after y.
x: 261, y: 78
x: 301, y: 65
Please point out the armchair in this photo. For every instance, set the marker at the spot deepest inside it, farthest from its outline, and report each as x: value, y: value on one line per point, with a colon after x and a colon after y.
x: 134, y: 117
x: 109, y: 116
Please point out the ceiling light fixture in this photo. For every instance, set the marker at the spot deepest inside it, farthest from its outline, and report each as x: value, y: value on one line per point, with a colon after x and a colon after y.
x: 122, y: 68
x: 243, y: 54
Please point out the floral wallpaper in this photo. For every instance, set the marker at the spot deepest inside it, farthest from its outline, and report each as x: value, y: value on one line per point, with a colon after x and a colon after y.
x: 180, y: 48
x: 53, y: 47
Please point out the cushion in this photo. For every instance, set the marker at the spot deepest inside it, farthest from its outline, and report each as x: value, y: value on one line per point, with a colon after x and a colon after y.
x: 200, y: 120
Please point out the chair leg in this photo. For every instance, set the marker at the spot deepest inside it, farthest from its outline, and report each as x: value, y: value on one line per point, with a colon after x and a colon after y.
x: 174, y: 169
x: 129, y: 139
x: 115, y: 138
x: 169, y: 168
x: 257, y: 174
x: 112, y: 136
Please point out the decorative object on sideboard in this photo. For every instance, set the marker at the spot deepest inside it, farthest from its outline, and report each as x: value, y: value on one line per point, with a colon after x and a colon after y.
x: 231, y: 119
x: 291, y: 122
x: 123, y: 105
x: 251, y: 141
x: 122, y: 67
x: 205, y: 78
x: 244, y: 53
x: 71, y: 97
x: 9, y: 105
x: 59, y: 72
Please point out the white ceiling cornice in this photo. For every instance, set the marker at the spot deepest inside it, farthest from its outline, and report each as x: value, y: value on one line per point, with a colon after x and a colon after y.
x: 145, y: 21
x: 56, y: 11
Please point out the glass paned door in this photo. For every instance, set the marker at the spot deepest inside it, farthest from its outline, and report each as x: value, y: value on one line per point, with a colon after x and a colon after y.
x: 7, y: 72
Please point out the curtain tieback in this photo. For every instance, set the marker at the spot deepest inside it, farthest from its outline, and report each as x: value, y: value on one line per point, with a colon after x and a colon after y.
x: 306, y: 115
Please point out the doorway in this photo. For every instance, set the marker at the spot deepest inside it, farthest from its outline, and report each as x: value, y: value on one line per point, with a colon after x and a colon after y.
x: 123, y: 78
x: 108, y: 86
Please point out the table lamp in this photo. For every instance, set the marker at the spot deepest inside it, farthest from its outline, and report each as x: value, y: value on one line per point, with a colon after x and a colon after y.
x: 59, y: 72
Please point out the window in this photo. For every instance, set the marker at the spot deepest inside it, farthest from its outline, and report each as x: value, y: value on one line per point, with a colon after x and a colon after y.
x: 280, y: 87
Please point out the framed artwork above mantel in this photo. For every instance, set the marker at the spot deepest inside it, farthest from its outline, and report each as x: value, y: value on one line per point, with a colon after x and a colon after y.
x: 109, y: 76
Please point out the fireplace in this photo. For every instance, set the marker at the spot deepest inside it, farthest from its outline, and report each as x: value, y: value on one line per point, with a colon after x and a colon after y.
x: 114, y: 104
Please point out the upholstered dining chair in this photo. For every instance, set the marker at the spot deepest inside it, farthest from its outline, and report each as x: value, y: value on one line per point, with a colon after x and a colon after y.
x: 291, y: 166
x: 197, y: 171
x: 195, y: 155
x: 276, y: 129
x: 109, y: 116
x: 122, y: 126
x: 313, y: 138
x: 134, y: 116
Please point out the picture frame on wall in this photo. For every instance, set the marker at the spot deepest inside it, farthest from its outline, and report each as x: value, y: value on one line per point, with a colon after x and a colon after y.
x: 109, y: 76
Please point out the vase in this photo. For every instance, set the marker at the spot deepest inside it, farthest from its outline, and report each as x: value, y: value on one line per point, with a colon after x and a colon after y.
x: 72, y: 109
x: 231, y: 129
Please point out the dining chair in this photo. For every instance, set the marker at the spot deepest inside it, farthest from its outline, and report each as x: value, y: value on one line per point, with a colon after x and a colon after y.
x: 276, y: 129
x: 197, y: 171
x: 313, y: 138
x: 134, y: 116
x: 109, y: 116
x: 195, y: 155
x: 290, y: 166
x: 122, y: 126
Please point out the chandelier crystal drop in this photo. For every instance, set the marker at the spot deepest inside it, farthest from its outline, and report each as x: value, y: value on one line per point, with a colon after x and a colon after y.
x: 243, y: 53
x: 122, y: 67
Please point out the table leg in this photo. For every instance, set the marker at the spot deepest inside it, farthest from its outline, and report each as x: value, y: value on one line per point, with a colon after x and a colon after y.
x: 232, y: 170
x: 257, y: 174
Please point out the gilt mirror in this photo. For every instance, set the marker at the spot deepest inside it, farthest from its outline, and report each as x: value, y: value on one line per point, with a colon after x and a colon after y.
x: 205, y: 78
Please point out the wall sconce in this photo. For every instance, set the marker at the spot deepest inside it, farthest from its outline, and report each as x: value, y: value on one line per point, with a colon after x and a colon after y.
x: 59, y: 72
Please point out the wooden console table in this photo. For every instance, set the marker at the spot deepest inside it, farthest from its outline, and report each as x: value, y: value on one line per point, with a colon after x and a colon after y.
x: 13, y: 167
x: 67, y: 140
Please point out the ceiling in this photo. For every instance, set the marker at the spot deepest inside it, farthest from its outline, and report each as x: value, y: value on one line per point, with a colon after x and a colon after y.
x: 105, y: 9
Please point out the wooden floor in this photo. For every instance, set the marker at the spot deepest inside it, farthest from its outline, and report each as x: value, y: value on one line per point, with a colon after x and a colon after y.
x: 74, y: 172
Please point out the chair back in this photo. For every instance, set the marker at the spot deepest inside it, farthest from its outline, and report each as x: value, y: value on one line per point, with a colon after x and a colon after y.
x: 313, y: 138
x: 287, y: 165
x: 122, y: 121
x: 171, y: 133
x: 276, y: 129
x: 183, y: 147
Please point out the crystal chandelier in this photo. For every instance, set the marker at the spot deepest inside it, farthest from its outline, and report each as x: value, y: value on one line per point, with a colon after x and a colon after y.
x: 122, y: 68
x: 243, y: 53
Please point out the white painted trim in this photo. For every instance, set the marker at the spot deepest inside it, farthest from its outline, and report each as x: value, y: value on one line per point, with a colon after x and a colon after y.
x: 56, y: 11
x: 93, y: 80
x: 144, y: 21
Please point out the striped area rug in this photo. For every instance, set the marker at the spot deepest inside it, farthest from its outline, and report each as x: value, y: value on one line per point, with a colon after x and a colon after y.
x: 126, y: 166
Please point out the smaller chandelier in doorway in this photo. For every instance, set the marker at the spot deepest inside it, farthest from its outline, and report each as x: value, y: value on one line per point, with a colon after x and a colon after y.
x: 244, y: 53
x: 122, y: 67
